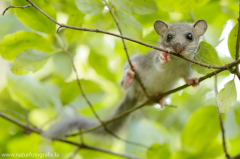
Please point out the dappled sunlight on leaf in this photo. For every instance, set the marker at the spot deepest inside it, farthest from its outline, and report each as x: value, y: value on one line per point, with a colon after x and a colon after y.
x: 227, y: 97
x: 21, y: 41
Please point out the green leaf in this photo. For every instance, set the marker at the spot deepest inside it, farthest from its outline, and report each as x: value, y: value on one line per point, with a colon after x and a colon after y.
x: 39, y: 116
x: 212, y: 150
x: 71, y: 90
x: 227, y: 97
x: 100, y: 64
x: 206, y: 54
x: 151, y: 133
x: 90, y: 6
x: 237, y: 115
x: 201, y: 129
x: 75, y: 19
x: 62, y: 65
x: 15, y: 43
x: 216, y: 22
x: 104, y: 21
x: 33, y: 18
x: 184, y: 154
x: 29, y: 143
x: 157, y: 151
x: 136, y: 6
x: 9, y: 24
x: 147, y: 20
x: 30, y: 93
x: 129, y: 25
x: 232, y: 40
x: 29, y: 61
x: 181, y: 5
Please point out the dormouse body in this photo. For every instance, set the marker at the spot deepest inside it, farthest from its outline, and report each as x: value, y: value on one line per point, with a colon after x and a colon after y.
x: 158, y: 71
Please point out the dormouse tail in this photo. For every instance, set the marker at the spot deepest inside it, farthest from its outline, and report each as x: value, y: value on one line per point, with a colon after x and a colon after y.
x: 69, y: 124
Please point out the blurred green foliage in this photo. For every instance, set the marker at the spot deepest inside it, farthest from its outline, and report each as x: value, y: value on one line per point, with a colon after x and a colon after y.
x: 41, y: 79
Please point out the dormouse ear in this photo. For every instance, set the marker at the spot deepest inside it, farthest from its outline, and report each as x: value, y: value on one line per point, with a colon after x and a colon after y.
x: 160, y: 27
x: 200, y: 27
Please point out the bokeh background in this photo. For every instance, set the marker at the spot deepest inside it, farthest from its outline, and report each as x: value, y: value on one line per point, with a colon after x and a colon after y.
x: 46, y: 88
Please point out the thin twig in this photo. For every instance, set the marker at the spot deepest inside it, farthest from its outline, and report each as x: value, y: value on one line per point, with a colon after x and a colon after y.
x: 26, y: 116
x: 90, y: 104
x: 126, y: 38
x: 150, y: 100
x: 125, y: 48
x: 93, y: 110
x: 22, y: 7
x: 81, y: 136
x: 237, y: 45
x: 192, y: 16
x: 220, y: 120
x: 15, y: 113
x: 19, y: 123
x: 74, y: 153
x: 82, y: 146
x: 172, y: 106
x: 80, y: 86
x: 236, y: 157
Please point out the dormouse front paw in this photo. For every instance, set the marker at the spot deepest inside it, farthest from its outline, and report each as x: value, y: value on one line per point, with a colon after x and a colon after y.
x: 192, y: 80
x: 164, y: 57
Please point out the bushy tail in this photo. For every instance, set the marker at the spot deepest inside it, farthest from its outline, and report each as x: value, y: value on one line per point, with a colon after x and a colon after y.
x: 69, y: 124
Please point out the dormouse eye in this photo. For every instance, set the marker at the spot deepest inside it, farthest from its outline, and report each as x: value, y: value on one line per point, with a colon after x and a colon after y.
x: 189, y: 36
x: 169, y: 37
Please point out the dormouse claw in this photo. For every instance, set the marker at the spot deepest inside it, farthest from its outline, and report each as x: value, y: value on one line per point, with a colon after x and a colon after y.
x: 168, y: 50
x: 162, y: 103
x: 192, y: 80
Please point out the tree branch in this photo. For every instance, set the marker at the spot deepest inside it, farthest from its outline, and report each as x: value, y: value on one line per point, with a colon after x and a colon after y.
x: 19, y: 123
x: 82, y: 146
x: 126, y: 38
x: 221, y: 68
x: 220, y: 120
x: 22, y: 7
x: 125, y: 49
x: 15, y: 113
x: 74, y: 153
x: 236, y: 157
x: 93, y: 110
x: 156, y: 98
x: 237, y: 45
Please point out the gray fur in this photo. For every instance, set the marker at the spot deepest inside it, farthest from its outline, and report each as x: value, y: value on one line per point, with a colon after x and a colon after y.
x: 200, y: 27
x: 160, y: 27
x: 157, y: 77
x: 69, y: 124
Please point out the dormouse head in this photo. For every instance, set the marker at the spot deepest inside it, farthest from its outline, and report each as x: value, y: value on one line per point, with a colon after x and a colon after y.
x: 181, y: 38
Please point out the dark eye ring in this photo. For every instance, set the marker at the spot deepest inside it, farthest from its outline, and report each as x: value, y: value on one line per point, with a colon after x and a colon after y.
x: 189, y: 36
x: 169, y: 37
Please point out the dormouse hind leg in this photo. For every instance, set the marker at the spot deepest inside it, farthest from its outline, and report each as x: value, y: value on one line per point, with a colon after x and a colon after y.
x: 129, y: 75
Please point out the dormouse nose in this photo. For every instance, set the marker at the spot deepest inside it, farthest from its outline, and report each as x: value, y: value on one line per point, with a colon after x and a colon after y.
x: 178, y: 48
